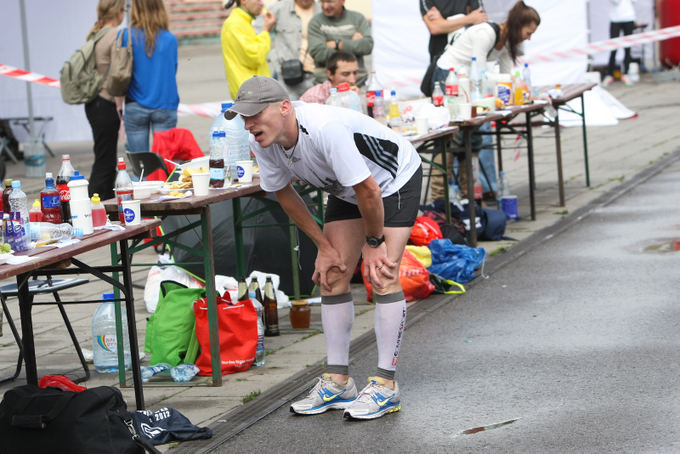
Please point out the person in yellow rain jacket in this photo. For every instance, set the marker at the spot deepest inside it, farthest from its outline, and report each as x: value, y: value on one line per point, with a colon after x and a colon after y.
x: 245, y: 51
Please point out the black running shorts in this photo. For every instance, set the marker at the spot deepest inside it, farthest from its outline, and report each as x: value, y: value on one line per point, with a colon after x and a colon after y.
x: 401, y: 208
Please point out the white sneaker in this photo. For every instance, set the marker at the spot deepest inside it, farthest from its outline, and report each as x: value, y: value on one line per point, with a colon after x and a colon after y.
x: 326, y: 395
x: 626, y: 80
x: 374, y: 400
x: 607, y: 80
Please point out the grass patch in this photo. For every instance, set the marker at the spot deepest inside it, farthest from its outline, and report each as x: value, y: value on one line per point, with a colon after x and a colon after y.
x: 241, y: 379
x: 619, y: 179
x: 561, y: 213
x: 312, y: 334
x: 251, y: 396
x: 499, y: 250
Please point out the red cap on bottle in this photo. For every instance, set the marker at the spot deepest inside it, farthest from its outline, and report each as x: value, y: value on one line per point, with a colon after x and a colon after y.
x: 121, y: 164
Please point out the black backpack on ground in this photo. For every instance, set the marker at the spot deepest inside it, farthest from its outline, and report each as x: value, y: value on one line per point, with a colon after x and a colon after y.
x: 49, y: 420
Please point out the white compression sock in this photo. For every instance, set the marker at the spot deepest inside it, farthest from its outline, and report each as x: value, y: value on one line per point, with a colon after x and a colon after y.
x: 337, y: 316
x: 390, y: 319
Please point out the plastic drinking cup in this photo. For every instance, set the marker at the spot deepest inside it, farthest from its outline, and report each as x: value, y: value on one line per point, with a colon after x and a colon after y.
x: 201, y: 182
x: 421, y: 125
x: 244, y: 170
x: 132, y: 211
x: 465, y: 111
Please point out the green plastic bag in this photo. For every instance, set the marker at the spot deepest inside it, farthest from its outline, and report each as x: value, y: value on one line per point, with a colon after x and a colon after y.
x: 171, y: 328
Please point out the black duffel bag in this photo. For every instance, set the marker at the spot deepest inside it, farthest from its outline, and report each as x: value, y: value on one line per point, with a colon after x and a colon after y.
x: 49, y: 420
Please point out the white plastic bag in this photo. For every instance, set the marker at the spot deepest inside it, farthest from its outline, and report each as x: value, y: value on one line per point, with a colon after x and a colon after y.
x: 165, y: 271
x: 282, y: 299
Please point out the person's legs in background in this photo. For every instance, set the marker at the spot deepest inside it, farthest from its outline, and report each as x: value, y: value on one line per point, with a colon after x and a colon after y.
x: 487, y: 161
x: 614, y: 30
x: 162, y: 120
x: 437, y: 184
x: 137, y: 121
x: 627, y: 28
x: 105, y: 124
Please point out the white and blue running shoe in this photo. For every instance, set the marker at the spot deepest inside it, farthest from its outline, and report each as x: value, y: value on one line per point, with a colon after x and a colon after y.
x: 374, y: 401
x: 326, y: 395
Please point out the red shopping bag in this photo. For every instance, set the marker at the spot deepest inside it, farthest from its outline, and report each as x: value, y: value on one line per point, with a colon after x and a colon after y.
x: 424, y: 231
x: 413, y: 277
x: 237, y: 323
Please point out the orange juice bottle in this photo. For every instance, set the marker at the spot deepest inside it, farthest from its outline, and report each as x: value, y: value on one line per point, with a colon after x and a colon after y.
x: 518, y: 90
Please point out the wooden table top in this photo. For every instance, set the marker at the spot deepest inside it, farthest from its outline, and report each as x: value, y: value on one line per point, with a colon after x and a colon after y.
x: 153, y: 206
x: 49, y: 255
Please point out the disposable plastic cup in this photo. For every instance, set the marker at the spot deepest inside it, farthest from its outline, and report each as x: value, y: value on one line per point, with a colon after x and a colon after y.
x: 132, y: 211
x: 509, y: 205
x: 300, y: 314
x: 244, y: 170
x: 465, y: 111
x: 421, y: 125
x: 201, y: 182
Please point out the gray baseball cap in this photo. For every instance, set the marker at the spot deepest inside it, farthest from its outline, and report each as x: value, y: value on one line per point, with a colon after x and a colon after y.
x: 254, y: 95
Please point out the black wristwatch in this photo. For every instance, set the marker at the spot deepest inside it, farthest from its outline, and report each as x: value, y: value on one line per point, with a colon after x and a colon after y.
x: 374, y: 241
x: 337, y: 44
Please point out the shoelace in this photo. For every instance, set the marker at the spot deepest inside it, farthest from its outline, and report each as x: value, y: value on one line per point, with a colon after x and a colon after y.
x: 319, y: 385
x: 366, y: 393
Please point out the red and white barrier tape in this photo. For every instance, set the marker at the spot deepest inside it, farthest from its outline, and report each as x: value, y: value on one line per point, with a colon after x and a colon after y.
x: 16, y: 73
x: 209, y: 110
x: 606, y: 45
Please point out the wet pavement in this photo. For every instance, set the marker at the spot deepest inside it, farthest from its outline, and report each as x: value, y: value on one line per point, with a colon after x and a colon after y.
x: 571, y: 347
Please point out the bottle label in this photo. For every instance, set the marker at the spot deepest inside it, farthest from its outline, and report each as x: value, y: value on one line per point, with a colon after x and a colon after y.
x: 504, y: 92
x: 107, y: 343
x: 370, y: 96
x: 64, y: 193
x: 451, y: 90
x: 51, y: 201
x: 217, y: 173
x: 477, y: 191
x: 438, y: 101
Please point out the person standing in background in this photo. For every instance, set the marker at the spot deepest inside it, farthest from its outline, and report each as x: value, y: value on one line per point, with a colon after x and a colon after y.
x: 290, y: 42
x: 152, y: 98
x: 243, y: 49
x: 339, y: 29
x: 438, y: 16
x: 104, y: 112
x: 621, y: 19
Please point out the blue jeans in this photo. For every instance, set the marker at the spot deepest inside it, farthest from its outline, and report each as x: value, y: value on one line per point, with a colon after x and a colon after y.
x: 138, y: 119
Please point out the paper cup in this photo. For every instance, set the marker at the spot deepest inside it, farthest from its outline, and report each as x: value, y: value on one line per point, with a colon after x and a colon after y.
x: 132, y: 211
x: 201, y: 182
x: 509, y: 205
x: 465, y: 111
x: 244, y: 171
x: 421, y: 125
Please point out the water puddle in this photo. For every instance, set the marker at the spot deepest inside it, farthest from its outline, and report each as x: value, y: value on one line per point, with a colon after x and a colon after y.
x: 475, y: 430
x: 660, y: 246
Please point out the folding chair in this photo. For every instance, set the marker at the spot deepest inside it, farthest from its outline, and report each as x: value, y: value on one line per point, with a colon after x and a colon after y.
x: 40, y: 287
x: 146, y: 161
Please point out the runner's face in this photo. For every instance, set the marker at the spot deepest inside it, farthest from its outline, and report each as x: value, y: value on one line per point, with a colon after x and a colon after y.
x: 347, y: 71
x: 267, y: 126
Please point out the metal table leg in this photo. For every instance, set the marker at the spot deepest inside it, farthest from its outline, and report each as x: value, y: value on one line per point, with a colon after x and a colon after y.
x: 558, y: 151
x: 470, y: 185
x: 585, y: 139
x: 530, y: 159
x: 25, y: 309
x: 211, y: 297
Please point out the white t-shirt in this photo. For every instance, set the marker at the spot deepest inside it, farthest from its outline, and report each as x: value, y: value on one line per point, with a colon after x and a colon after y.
x: 336, y: 149
x: 621, y: 11
x: 476, y: 41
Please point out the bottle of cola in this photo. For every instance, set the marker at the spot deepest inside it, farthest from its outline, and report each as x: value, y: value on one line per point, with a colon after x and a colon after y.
x: 65, y: 173
x: 271, y: 314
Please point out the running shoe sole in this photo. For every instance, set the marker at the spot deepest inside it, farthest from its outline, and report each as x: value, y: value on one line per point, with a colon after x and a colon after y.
x: 388, y: 409
x: 335, y: 405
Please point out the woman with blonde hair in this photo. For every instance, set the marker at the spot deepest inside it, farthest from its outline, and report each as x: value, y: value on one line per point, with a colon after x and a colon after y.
x: 103, y: 111
x: 152, y: 98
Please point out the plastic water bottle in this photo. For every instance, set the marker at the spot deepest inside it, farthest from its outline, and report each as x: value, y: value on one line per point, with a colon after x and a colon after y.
x: 333, y: 98
x: 476, y: 81
x: 216, y: 162
x: 463, y: 87
x: 259, y: 350
x: 237, y: 144
x: 454, y: 193
x: 46, y: 231
x: 22, y: 224
x: 504, y: 184
x: 50, y: 203
x: 220, y: 123
x: 348, y: 98
x: 395, y: 120
x: 437, y: 95
x: 150, y: 371
x: 184, y: 372
x: 123, y: 188
x: 104, y: 340
x: 376, y: 96
x: 526, y: 78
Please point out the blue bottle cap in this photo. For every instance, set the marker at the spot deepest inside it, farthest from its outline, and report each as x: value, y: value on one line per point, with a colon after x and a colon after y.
x: 226, y: 105
x: 77, y: 176
x: 16, y: 184
x: 77, y: 232
x: 108, y: 296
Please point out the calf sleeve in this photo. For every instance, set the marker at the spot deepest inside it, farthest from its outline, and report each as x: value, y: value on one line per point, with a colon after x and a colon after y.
x: 390, y: 319
x: 337, y: 316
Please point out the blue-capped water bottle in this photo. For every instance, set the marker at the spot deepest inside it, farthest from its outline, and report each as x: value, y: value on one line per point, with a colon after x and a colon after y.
x: 22, y: 225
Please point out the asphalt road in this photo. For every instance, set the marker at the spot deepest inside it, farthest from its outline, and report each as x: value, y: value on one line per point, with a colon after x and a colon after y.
x: 576, y: 341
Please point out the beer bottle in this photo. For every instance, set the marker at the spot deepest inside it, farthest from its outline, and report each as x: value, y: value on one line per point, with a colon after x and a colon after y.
x: 254, y: 290
x: 271, y: 314
x: 242, y: 289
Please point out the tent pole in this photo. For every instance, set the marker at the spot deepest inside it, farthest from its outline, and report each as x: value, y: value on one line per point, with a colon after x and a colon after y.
x: 27, y: 64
